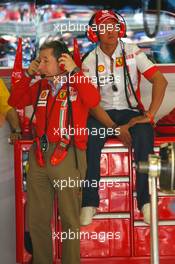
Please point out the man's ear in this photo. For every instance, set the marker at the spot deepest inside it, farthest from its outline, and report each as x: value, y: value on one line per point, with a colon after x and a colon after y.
x: 71, y: 54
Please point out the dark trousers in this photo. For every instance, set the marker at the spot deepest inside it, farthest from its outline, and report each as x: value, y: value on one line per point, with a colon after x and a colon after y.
x: 142, y: 142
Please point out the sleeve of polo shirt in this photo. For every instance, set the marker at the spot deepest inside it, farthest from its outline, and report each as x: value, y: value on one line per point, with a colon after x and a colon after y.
x: 4, y: 96
x: 88, y: 68
x: 145, y: 66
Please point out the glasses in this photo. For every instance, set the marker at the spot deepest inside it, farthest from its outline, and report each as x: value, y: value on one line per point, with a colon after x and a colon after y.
x: 114, y: 87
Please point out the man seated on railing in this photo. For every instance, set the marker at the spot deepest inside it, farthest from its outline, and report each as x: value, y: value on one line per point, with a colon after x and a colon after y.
x: 117, y: 68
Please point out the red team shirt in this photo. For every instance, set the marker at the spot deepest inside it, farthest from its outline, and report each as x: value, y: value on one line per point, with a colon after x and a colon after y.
x: 83, y: 96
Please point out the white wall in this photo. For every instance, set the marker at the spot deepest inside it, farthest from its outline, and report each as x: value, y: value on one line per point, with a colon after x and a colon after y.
x: 7, y: 200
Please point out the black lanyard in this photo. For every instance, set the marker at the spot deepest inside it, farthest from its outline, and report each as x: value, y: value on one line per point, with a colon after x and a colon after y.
x: 70, y: 122
x: 126, y: 75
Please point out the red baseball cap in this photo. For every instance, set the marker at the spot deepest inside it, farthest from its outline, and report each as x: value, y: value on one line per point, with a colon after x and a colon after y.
x: 102, y: 15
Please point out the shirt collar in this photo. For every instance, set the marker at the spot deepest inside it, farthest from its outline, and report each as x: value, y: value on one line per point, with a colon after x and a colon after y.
x: 54, y: 89
x: 116, y: 53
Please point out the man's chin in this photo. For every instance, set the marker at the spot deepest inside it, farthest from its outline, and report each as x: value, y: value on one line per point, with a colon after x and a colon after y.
x: 46, y: 76
x: 49, y: 78
x: 112, y: 41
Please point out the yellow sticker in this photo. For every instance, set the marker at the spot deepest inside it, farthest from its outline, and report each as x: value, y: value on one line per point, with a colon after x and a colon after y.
x: 119, y: 61
x: 101, y: 68
x: 44, y: 94
x: 27, y: 167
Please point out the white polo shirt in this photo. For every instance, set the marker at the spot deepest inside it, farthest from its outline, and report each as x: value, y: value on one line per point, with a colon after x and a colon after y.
x: 137, y: 63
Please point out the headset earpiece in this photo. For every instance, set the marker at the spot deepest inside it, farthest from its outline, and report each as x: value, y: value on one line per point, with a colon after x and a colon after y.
x: 90, y: 33
x: 122, y: 23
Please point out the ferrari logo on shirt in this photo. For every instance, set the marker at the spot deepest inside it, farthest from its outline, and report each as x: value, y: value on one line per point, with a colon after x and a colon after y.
x: 119, y: 61
x: 101, y: 68
x: 62, y: 95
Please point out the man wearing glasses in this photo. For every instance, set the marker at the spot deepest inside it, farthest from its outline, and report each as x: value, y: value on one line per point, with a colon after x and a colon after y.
x: 121, y: 66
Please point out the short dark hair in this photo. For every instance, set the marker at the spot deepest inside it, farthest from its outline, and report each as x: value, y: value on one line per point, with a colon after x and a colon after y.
x: 58, y: 47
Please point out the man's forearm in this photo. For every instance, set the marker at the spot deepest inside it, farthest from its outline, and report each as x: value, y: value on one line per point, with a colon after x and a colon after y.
x: 13, y: 119
x: 158, y: 92
x: 102, y: 116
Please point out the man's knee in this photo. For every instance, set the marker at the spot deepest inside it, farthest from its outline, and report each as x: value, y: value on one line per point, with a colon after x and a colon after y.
x: 143, y: 141
x: 143, y: 131
x: 96, y: 140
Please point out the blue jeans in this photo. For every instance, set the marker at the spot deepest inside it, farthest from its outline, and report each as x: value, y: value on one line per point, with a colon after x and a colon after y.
x: 142, y: 142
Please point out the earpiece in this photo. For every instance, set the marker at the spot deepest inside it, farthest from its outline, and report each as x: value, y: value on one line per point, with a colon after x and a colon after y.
x: 62, y: 67
x: 59, y: 49
x: 90, y: 33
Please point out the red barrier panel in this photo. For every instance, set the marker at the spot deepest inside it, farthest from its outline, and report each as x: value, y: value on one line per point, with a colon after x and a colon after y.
x: 166, y: 240
x: 104, y: 238
x: 120, y: 235
x: 114, y: 196
x: 118, y: 163
x: 166, y: 208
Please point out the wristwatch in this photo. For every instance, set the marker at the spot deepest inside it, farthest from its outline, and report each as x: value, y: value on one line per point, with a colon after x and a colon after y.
x: 28, y: 75
x: 150, y: 116
x: 75, y: 70
x: 16, y: 130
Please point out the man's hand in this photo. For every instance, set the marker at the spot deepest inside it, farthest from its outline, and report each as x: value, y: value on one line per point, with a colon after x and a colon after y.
x: 138, y: 120
x: 13, y: 120
x: 14, y: 136
x: 68, y: 62
x: 33, y: 67
x: 125, y: 135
